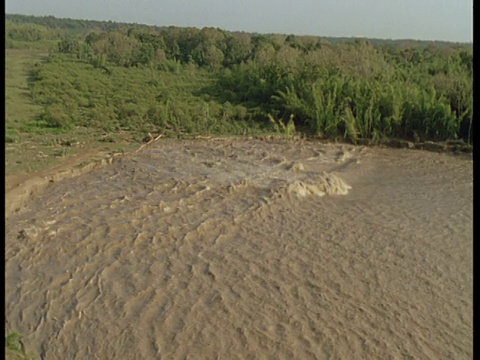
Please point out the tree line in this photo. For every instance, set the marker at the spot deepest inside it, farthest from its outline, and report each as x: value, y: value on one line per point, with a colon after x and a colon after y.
x: 351, y: 89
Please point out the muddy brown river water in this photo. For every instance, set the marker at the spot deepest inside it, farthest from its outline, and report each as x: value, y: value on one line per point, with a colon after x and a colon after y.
x: 248, y: 249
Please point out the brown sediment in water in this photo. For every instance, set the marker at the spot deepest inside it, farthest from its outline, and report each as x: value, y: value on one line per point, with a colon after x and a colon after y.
x: 248, y: 249
x: 21, y: 188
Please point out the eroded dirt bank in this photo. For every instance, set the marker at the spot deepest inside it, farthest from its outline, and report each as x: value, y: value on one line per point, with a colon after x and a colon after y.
x: 248, y: 249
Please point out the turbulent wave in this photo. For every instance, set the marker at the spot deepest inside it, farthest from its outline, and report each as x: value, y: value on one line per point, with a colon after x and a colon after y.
x: 247, y: 249
x: 320, y: 185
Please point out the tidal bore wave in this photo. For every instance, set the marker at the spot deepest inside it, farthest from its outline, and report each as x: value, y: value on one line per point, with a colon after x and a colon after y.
x: 240, y: 249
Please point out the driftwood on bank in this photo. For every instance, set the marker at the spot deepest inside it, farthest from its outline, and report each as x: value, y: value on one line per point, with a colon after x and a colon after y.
x: 152, y: 140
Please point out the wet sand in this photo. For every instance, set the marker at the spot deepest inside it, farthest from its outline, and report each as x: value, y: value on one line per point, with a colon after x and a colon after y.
x: 243, y: 249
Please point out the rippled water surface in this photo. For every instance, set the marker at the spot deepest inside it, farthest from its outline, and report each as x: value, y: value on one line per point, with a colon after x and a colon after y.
x: 247, y: 249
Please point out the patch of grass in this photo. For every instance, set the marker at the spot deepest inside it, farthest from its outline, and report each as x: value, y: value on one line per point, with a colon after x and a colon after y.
x: 15, y: 349
x: 286, y: 130
x: 20, y: 108
x: 11, y: 136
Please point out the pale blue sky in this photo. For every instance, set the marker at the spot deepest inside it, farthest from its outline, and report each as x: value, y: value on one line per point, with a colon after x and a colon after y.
x: 449, y: 20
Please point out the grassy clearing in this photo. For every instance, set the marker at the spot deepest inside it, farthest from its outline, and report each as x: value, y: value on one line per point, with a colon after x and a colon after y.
x: 30, y: 147
x: 20, y: 110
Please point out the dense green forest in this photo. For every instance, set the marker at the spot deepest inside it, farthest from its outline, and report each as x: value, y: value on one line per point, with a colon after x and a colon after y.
x: 210, y: 81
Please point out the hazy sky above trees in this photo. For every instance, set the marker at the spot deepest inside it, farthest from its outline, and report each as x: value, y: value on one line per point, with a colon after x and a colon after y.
x: 450, y: 20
